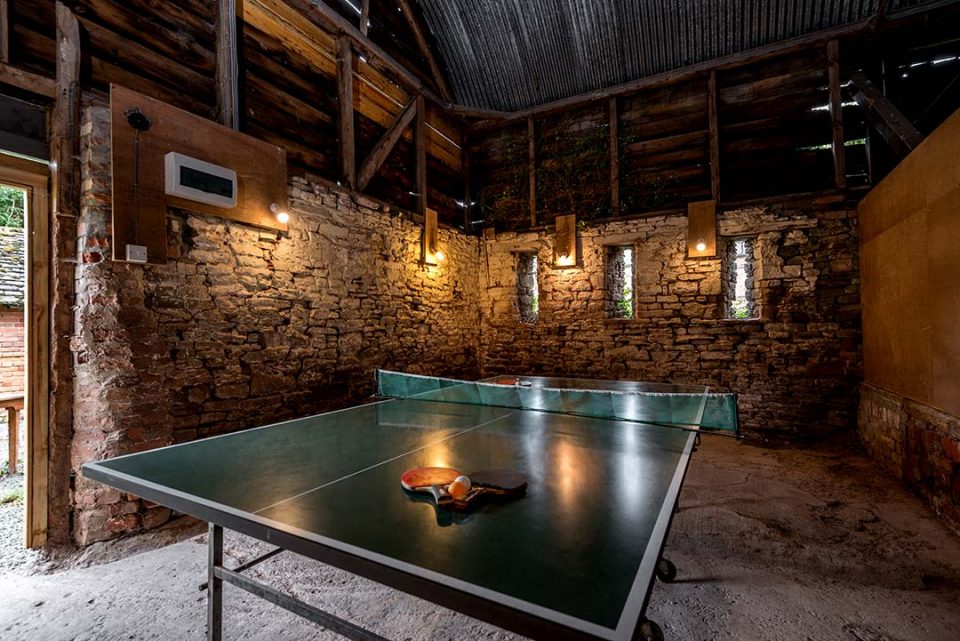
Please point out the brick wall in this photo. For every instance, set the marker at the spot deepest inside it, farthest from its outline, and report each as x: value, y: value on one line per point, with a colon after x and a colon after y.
x: 246, y: 327
x: 11, y: 351
x: 796, y: 368
x: 918, y: 444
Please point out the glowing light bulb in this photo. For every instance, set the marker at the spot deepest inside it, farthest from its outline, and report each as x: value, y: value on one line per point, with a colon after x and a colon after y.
x: 282, y: 216
x: 701, y: 246
x: 439, y: 255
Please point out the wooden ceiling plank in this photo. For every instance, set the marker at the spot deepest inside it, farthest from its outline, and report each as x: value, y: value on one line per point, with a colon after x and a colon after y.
x: 34, y: 83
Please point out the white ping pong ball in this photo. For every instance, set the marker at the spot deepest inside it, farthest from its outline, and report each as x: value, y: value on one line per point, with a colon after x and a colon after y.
x: 459, y: 488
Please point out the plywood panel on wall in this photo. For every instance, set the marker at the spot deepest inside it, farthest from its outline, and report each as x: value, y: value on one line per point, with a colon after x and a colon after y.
x: 261, y: 171
x: 910, y: 274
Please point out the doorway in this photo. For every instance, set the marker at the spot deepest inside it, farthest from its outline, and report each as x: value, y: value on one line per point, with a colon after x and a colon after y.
x: 24, y: 257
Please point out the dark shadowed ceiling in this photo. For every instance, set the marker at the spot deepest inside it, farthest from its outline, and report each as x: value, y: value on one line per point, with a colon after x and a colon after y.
x: 513, y: 54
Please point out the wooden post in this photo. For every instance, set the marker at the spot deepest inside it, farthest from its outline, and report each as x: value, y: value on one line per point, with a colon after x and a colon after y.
x: 465, y: 167
x: 228, y: 94
x: 13, y: 422
x: 65, y: 125
x: 364, y: 16
x: 713, y: 118
x: 420, y: 135
x: 4, y: 31
x: 532, y: 168
x: 348, y: 154
x: 614, y: 158
x: 836, y: 115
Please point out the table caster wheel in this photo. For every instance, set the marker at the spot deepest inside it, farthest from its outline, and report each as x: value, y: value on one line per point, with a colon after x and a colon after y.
x: 649, y: 631
x: 666, y: 571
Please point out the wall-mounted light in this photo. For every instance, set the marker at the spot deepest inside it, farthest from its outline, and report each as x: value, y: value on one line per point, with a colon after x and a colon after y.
x: 565, y: 243
x: 702, y: 229
x: 283, y: 217
x: 430, y: 252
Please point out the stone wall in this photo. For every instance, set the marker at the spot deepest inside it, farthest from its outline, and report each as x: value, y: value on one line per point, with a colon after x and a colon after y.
x: 917, y: 443
x: 245, y: 327
x: 796, y: 367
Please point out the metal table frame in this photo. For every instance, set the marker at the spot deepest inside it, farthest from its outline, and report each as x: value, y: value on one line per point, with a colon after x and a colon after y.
x: 471, y: 605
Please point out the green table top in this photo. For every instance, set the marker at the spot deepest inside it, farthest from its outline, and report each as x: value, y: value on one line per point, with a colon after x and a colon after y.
x: 579, y: 549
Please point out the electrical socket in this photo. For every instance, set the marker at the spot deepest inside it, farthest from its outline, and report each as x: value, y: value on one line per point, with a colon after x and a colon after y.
x: 136, y: 253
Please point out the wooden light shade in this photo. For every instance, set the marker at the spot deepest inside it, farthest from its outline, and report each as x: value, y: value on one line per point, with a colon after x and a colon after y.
x: 430, y: 253
x: 702, y: 229
x: 565, y: 244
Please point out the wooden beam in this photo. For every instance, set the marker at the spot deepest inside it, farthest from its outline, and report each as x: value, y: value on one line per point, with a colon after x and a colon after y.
x: 883, y: 6
x: 40, y: 85
x: 385, y: 145
x: 364, y: 16
x: 532, y: 168
x: 836, y: 115
x: 228, y: 72
x: 420, y: 139
x: 414, y: 23
x: 714, y: 126
x: 614, y: 158
x: 465, y: 168
x: 325, y: 15
x: 65, y: 125
x: 4, y: 31
x: 889, y: 121
x: 348, y: 154
x: 678, y: 75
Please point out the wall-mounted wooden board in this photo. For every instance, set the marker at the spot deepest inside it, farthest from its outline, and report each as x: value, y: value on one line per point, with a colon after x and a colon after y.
x: 261, y: 171
x: 910, y: 274
x: 702, y: 228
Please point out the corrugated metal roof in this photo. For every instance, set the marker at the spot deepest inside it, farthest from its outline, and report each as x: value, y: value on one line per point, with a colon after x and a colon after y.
x: 514, y: 54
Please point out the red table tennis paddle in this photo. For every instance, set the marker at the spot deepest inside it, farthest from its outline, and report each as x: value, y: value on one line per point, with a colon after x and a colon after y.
x: 430, y: 480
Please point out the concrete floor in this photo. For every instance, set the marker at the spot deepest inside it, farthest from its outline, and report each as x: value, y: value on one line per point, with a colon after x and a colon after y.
x: 778, y: 544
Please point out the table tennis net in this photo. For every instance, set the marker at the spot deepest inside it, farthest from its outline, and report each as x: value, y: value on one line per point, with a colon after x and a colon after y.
x: 685, y: 406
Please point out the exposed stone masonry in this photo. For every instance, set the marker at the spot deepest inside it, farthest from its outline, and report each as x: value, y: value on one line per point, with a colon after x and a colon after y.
x: 916, y: 443
x: 244, y: 327
x: 247, y: 327
x: 796, y: 368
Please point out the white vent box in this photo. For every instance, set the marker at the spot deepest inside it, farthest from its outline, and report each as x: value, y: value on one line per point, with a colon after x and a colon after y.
x: 200, y: 181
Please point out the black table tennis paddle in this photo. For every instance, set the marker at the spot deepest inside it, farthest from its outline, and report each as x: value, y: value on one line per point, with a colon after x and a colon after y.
x: 492, y: 484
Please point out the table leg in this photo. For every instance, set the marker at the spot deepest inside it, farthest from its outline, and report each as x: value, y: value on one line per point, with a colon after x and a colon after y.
x: 13, y: 422
x: 214, y: 584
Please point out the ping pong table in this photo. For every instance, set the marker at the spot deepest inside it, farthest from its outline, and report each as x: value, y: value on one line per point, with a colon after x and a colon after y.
x: 575, y: 559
